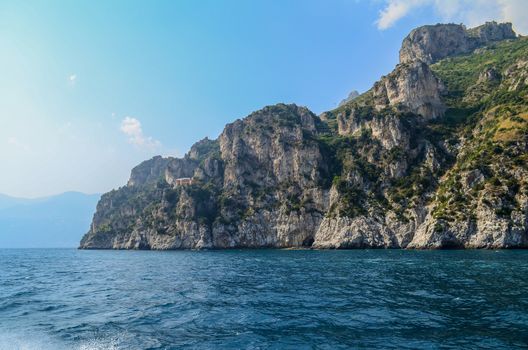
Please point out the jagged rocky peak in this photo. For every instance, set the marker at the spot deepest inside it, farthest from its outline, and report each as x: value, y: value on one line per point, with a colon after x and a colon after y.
x: 432, y: 43
x: 283, y: 119
x: 351, y: 97
x: 148, y: 171
x: 492, y: 31
x: 202, y: 148
x: 268, y: 145
x: 170, y: 169
x: 277, y: 113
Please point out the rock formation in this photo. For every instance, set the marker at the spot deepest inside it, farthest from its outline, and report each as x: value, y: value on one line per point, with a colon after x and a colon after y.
x: 351, y: 96
x: 412, y: 87
x: 433, y: 156
x: 435, y: 42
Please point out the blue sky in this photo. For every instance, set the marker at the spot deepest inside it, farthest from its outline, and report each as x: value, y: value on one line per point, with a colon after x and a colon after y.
x: 91, y: 88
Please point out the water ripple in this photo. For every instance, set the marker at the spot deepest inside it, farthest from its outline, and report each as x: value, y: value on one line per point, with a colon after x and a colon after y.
x: 273, y: 299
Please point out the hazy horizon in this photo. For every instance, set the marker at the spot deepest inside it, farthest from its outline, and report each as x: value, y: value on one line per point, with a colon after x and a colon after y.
x: 51, y: 195
x: 48, y: 222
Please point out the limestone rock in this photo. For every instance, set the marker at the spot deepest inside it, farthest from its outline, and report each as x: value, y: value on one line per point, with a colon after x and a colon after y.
x: 412, y: 87
x: 432, y: 43
x: 408, y: 164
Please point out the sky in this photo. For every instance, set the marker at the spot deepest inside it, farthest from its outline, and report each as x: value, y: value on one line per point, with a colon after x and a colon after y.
x: 89, y: 89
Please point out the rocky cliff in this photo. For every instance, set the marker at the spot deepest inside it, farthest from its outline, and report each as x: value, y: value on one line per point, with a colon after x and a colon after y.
x: 433, y: 156
x: 435, y: 42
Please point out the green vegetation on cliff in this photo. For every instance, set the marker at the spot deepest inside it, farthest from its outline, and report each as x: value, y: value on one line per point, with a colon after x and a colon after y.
x: 432, y: 156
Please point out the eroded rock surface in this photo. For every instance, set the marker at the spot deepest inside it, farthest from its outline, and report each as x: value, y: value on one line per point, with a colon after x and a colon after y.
x: 433, y: 156
x: 432, y: 43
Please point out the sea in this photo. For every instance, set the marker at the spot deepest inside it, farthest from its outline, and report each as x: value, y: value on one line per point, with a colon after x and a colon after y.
x: 263, y: 299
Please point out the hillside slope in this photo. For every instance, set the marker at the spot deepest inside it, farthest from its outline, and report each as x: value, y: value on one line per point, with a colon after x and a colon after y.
x: 433, y: 156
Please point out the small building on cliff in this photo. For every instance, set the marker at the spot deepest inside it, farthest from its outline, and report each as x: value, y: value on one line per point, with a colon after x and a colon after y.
x: 182, y: 181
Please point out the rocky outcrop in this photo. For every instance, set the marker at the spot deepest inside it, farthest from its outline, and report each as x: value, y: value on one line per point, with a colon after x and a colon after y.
x: 149, y: 171
x: 516, y: 75
x: 432, y: 43
x: 388, y: 130
x: 411, y: 87
x: 351, y: 97
x: 250, y: 186
x: 433, y: 156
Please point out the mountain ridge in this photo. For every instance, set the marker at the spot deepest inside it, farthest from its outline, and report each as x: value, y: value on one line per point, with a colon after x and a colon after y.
x: 56, y: 221
x: 400, y: 166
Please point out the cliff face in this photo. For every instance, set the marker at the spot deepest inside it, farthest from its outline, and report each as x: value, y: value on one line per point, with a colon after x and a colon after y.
x: 260, y: 184
x: 435, y: 42
x: 433, y: 156
x: 412, y: 87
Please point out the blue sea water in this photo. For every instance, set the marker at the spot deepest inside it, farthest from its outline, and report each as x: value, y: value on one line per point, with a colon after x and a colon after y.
x: 263, y: 299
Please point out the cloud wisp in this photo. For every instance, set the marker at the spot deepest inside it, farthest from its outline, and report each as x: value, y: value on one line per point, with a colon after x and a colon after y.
x: 395, y: 10
x: 72, y: 78
x: 469, y: 12
x: 132, y: 128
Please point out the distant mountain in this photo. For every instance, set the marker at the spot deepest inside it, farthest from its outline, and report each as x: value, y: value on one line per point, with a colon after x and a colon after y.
x: 56, y: 221
x: 7, y: 201
x: 351, y: 97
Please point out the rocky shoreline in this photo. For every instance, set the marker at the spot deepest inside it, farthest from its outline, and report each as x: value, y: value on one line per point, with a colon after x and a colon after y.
x: 434, y: 156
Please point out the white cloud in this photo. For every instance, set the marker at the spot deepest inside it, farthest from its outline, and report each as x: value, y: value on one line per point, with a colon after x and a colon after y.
x: 395, y: 10
x: 72, y: 78
x: 469, y: 12
x: 132, y: 128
